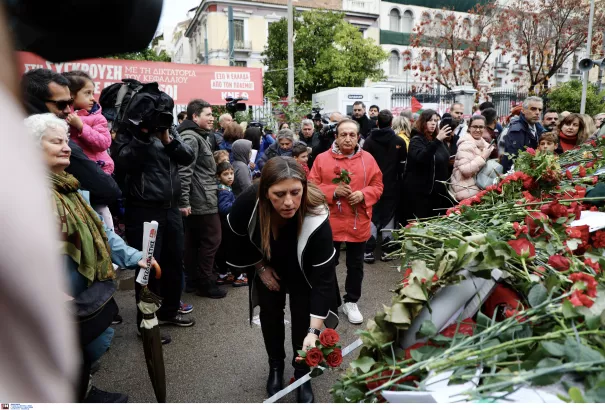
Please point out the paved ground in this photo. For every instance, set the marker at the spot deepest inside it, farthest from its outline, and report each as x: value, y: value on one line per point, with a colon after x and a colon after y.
x: 222, y: 359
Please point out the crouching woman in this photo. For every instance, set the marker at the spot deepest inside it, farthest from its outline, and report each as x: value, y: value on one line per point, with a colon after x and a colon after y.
x: 281, y: 226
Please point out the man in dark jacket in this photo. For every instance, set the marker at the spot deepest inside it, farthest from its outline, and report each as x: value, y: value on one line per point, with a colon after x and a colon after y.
x: 325, y: 137
x: 149, y: 159
x: 365, y: 124
x: 389, y: 151
x: 524, y: 133
x: 46, y: 91
x: 199, y: 202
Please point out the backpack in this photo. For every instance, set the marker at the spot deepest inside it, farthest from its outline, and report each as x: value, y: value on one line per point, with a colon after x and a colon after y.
x: 127, y: 102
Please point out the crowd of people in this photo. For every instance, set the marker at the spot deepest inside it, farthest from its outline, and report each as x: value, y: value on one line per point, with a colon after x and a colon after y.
x: 289, y: 202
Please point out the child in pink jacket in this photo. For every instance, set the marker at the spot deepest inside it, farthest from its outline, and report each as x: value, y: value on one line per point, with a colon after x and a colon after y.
x: 88, y: 127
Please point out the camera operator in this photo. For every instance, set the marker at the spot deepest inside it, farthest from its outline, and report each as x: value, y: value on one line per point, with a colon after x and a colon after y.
x: 149, y: 154
x: 317, y: 122
x: 326, y: 137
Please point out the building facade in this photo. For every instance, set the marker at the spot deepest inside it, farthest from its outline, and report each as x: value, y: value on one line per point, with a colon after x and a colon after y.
x: 208, y: 31
x: 180, y: 46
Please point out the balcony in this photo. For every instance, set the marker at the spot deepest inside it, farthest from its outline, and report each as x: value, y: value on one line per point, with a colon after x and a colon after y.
x: 576, y: 73
x: 563, y: 71
x: 519, y: 67
x: 239, y: 45
x: 501, y: 66
x: 361, y: 6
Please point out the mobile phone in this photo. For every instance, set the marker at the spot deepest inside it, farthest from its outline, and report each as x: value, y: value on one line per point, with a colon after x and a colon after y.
x: 444, y: 122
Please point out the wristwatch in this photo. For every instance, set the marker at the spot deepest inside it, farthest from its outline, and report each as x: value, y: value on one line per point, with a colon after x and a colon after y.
x: 313, y: 330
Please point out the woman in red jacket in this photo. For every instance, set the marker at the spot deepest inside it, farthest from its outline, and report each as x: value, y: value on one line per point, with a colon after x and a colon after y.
x: 350, y: 203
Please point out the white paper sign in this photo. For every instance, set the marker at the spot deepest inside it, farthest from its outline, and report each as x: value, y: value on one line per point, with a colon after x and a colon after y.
x: 150, y: 232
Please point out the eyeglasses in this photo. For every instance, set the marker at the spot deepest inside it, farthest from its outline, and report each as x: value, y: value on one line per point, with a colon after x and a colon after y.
x: 61, y: 104
x: 477, y: 127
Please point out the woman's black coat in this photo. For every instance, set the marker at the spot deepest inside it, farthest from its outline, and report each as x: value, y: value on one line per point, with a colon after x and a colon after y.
x: 314, y: 248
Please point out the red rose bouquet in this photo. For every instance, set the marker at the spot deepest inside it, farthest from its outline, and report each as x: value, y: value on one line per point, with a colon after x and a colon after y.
x: 326, y: 353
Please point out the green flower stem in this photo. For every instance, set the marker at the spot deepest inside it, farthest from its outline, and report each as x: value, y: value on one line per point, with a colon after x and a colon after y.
x: 525, y: 270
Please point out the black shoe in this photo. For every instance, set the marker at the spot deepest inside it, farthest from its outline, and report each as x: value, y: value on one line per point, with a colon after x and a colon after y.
x: 117, y: 319
x: 164, y: 336
x: 212, y: 292
x: 386, y: 257
x: 95, y: 367
x: 304, y: 393
x: 178, y: 320
x: 368, y: 257
x: 275, y: 382
x: 99, y: 396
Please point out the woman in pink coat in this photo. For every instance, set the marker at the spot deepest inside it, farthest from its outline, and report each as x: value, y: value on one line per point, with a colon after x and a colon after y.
x: 473, y: 152
x: 88, y: 128
x: 350, y: 204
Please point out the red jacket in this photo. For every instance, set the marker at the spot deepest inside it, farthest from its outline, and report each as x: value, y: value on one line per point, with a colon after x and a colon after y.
x: 365, y: 177
x: 95, y: 138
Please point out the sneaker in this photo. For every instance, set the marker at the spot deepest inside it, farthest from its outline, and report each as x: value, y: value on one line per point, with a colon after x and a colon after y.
x: 353, y: 314
x: 178, y: 320
x: 99, y: 396
x: 241, y: 281
x: 225, y: 280
x: 368, y: 257
x: 386, y: 257
x: 212, y: 292
x: 185, y: 308
x: 117, y: 319
x: 164, y: 336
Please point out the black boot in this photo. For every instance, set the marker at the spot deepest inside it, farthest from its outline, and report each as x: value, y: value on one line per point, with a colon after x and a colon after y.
x: 275, y: 382
x: 304, y: 394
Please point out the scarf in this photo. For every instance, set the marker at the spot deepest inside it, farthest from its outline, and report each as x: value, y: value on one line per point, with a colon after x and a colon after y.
x: 284, y: 152
x: 566, y: 142
x: 82, y: 234
x: 337, y: 151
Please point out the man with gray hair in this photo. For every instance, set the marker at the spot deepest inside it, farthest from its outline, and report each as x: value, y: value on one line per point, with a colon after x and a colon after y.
x: 307, y: 133
x: 215, y: 139
x: 524, y: 133
x: 599, y: 121
x: 407, y: 114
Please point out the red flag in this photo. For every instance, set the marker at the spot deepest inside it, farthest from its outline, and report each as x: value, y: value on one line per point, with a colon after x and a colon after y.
x: 416, y: 106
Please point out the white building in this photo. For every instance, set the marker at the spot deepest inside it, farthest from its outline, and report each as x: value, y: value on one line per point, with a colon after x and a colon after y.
x: 180, y: 46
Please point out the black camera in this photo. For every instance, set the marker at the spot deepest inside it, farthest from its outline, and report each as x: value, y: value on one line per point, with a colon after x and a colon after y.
x: 157, y: 120
x: 256, y: 124
x: 329, y: 131
x: 234, y: 105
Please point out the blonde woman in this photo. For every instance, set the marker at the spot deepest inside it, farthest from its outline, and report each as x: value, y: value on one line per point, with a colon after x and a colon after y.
x: 403, y: 128
x: 590, y: 128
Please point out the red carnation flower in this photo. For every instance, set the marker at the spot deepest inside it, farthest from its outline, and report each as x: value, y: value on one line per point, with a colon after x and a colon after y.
x: 595, y: 180
x: 598, y: 239
x: 554, y: 209
x: 582, y: 172
x: 530, y: 221
x: 576, y: 209
x: 559, y: 263
x: 568, y: 174
x: 590, y: 164
x: 584, y: 289
x: 594, y: 265
x: 523, y: 247
x: 519, y: 229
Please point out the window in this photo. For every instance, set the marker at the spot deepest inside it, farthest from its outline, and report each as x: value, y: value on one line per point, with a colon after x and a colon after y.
x: 437, y: 21
x: 426, y: 18
x: 407, y: 61
x: 394, y: 63
x: 466, y: 24
x: 497, y: 82
x: 394, y: 20
x: 408, y: 22
x: 240, y: 63
x: 238, y: 30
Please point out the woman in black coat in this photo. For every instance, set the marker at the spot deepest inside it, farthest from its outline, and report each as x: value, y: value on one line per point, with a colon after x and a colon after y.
x: 280, y: 225
x: 427, y: 163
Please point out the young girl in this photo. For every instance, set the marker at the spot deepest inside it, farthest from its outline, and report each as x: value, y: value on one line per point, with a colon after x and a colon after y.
x: 226, y: 198
x: 88, y: 127
x: 301, y: 155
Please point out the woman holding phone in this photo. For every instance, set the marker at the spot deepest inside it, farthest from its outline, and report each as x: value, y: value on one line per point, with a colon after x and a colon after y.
x: 473, y: 153
x: 427, y: 165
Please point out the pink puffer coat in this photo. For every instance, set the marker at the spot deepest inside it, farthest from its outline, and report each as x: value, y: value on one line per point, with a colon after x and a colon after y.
x: 94, y: 139
x: 467, y: 165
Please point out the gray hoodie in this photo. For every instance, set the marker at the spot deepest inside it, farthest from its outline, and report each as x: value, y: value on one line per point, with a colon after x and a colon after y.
x: 241, y: 150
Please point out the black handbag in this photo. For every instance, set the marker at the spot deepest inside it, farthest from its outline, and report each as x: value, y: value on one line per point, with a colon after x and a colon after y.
x: 94, y: 310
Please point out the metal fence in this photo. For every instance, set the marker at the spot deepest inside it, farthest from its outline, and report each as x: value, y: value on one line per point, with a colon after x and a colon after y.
x: 437, y: 98
x: 505, y: 99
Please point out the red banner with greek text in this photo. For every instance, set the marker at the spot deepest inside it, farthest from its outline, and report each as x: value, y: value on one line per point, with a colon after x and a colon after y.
x: 183, y: 82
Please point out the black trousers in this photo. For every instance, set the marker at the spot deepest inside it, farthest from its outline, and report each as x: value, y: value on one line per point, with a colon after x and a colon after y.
x: 168, y: 252
x: 272, y: 305
x: 202, y: 239
x: 354, y: 262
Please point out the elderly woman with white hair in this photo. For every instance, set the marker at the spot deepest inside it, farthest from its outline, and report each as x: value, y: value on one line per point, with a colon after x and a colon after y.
x: 282, y: 147
x: 88, y: 246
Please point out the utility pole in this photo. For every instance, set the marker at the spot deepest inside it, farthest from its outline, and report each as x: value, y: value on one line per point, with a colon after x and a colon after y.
x: 290, y: 52
x: 589, y: 55
x: 231, y: 35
